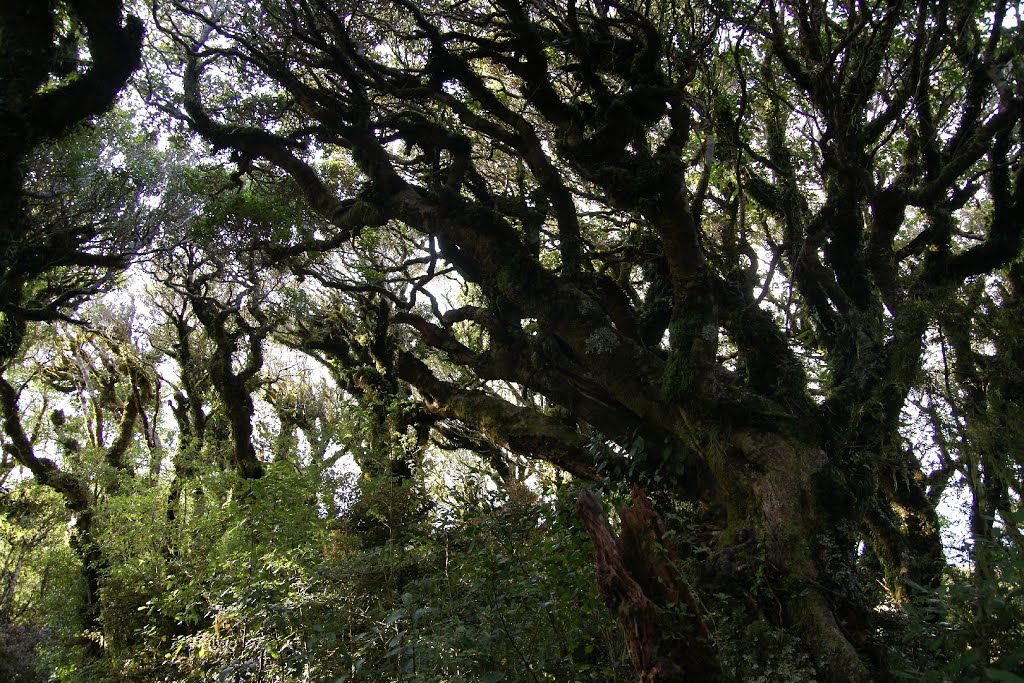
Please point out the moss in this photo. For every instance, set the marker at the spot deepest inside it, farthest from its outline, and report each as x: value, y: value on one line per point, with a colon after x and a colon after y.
x: 366, y: 213
x: 601, y: 341
x: 758, y: 651
x: 680, y: 377
x: 513, y: 277
x: 844, y: 486
x: 12, y: 334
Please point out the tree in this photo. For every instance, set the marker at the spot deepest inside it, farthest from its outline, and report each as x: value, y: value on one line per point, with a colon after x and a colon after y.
x: 706, y: 243
x: 64, y: 232
x: 232, y: 316
x: 81, y: 399
x: 49, y: 91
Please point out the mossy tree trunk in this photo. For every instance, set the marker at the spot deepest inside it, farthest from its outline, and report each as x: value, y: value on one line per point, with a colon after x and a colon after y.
x: 703, y: 256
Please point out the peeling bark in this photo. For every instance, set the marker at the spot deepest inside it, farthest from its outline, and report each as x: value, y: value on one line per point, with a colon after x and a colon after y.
x: 661, y: 619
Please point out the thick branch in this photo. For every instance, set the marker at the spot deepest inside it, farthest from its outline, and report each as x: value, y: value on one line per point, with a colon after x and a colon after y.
x: 75, y: 492
x: 520, y: 429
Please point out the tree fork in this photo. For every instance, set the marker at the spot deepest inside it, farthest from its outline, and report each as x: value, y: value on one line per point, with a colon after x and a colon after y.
x: 638, y: 580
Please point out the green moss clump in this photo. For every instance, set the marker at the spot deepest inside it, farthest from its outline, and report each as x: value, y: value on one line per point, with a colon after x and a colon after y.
x: 679, y: 379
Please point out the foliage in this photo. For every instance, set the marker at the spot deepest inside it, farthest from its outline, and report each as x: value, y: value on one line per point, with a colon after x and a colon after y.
x: 260, y: 588
x: 944, y: 624
x: 319, y: 334
x: 20, y: 664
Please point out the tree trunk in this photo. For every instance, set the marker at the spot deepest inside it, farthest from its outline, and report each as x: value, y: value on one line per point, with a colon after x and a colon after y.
x: 781, y: 514
x: 7, y: 604
x: 803, y: 517
x: 77, y: 497
x: 637, y: 578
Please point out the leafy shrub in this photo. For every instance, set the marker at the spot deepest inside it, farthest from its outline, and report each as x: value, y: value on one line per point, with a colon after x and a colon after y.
x: 19, y: 662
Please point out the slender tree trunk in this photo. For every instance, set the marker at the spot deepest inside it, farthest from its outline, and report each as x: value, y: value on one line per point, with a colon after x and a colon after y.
x: 77, y: 497
x: 12, y: 581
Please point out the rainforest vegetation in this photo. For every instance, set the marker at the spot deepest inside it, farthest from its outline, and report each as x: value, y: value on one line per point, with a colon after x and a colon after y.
x: 511, y: 340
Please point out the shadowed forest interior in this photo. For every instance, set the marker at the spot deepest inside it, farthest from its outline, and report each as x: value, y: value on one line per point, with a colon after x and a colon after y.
x: 511, y: 340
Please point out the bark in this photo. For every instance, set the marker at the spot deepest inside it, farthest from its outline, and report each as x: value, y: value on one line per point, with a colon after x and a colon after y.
x: 36, y: 108
x: 187, y: 408
x: 115, y: 453
x: 784, y: 490
x: 662, y: 620
x: 784, y: 512
x: 233, y: 387
x: 7, y: 601
x: 33, y: 108
x: 605, y: 110
x: 77, y: 497
x: 239, y: 407
x: 778, y: 518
